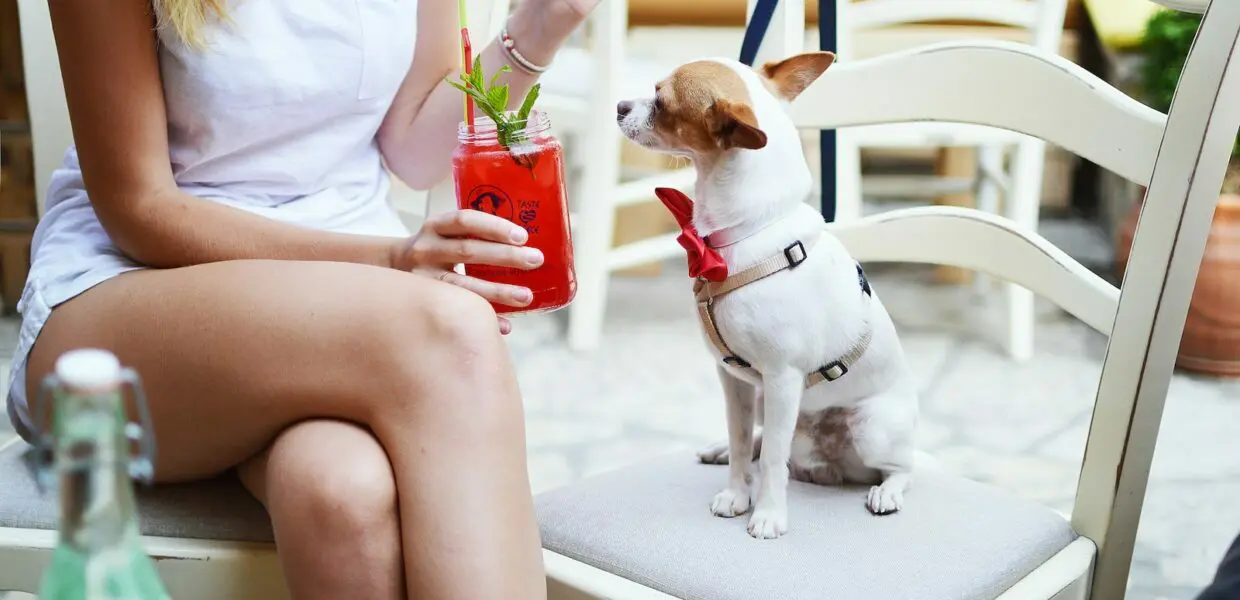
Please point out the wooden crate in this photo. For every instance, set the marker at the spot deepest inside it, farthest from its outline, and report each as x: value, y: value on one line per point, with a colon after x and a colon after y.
x: 18, y: 206
x: 12, y: 81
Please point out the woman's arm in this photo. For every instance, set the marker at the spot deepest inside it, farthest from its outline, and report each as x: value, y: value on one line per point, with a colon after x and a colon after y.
x: 111, y: 76
x: 419, y: 132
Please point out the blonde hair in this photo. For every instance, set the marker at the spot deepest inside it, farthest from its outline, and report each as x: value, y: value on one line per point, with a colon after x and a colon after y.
x: 188, y: 17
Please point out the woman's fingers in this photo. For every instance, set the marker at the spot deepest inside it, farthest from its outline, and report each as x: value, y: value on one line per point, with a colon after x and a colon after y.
x: 505, y: 326
x: 479, y: 252
x: 508, y: 295
x: 477, y: 224
x: 473, y: 237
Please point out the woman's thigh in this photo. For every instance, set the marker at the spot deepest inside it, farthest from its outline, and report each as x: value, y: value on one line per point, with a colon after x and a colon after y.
x: 231, y: 353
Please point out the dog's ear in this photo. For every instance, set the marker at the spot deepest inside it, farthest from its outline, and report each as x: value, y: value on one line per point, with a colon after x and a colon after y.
x: 793, y: 74
x: 735, y: 126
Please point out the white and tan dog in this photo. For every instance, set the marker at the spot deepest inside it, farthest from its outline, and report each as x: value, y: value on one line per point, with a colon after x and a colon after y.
x: 805, y: 348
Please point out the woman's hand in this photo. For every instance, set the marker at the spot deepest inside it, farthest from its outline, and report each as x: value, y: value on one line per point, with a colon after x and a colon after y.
x: 470, y: 237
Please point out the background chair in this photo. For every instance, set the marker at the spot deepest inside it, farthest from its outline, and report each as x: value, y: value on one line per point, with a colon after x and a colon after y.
x: 644, y: 531
x: 580, y: 91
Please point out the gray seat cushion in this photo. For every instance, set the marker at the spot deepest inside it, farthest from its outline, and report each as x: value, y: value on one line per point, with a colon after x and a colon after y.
x: 651, y: 524
x: 218, y: 509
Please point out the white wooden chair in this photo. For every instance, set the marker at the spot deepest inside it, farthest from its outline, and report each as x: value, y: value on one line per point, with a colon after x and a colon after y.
x: 1020, y: 186
x: 581, y: 90
x: 643, y: 532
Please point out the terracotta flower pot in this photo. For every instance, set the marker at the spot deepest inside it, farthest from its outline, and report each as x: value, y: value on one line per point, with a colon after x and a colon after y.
x: 1211, y: 342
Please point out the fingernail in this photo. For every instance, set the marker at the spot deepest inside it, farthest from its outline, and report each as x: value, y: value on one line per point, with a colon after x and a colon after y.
x: 533, y: 256
x: 518, y: 235
x: 523, y: 296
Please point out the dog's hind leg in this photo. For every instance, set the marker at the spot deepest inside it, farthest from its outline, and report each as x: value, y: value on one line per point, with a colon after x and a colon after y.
x: 717, y: 453
x: 781, y: 392
x: 885, y: 443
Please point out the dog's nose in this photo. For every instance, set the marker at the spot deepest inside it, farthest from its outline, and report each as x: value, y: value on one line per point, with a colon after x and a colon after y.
x: 623, y: 109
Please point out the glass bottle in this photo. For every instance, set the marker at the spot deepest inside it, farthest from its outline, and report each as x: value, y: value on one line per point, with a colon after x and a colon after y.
x: 99, y: 554
x: 523, y: 183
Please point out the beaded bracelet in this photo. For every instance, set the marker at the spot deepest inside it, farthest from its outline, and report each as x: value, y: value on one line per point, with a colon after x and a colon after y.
x: 510, y: 47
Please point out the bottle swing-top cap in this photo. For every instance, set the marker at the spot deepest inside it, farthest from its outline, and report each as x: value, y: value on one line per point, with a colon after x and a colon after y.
x: 93, y: 371
x: 89, y: 369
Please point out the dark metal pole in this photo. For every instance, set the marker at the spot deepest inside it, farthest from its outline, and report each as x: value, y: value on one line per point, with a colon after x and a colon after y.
x: 827, y: 40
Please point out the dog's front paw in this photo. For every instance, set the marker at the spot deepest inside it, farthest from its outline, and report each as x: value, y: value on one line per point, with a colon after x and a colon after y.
x: 768, y: 524
x: 715, y: 454
x: 730, y: 503
x: 885, y: 499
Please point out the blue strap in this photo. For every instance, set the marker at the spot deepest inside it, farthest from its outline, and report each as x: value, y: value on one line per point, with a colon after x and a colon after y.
x: 759, y: 23
x: 827, y: 40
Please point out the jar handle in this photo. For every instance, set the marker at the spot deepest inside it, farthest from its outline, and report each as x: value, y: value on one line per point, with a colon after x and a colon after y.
x: 39, y: 458
x: 141, y: 466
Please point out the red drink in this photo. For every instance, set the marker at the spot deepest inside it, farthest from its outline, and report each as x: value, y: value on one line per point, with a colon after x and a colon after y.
x: 523, y: 183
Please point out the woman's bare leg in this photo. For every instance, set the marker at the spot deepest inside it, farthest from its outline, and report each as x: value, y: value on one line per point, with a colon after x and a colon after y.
x: 329, y: 489
x: 233, y: 353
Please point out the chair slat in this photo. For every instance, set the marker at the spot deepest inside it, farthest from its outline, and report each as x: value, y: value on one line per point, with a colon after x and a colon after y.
x: 980, y: 241
x: 1010, y: 86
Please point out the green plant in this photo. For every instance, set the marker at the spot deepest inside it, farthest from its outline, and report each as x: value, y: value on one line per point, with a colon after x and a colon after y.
x: 492, y: 100
x: 1169, y: 35
x: 1164, y: 47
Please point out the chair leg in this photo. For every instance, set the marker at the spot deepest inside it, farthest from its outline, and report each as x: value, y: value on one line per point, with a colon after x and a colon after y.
x: 593, y: 235
x: 1022, y: 207
x: 600, y: 146
x: 592, y: 240
x: 848, y: 192
x: 990, y: 160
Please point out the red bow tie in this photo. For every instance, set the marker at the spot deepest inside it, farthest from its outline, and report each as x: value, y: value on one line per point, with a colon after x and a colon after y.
x: 704, y: 261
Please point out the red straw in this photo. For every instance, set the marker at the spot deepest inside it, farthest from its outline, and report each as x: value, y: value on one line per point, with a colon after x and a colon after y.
x: 468, y: 52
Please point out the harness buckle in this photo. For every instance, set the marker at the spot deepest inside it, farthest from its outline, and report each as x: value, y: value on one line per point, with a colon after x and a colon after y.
x: 795, y: 254
x: 833, y: 371
x: 737, y: 362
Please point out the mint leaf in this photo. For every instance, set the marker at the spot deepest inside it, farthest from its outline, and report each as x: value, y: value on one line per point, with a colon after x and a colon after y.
x: 502, y: 70
x: 498, y: 96
x: 523, y: 113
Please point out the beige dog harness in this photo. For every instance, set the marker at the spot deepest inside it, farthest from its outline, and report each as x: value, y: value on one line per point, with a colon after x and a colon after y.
x: 707, y: 292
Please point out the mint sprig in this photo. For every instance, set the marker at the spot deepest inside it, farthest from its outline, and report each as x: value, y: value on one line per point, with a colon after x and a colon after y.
x: 492, y: 100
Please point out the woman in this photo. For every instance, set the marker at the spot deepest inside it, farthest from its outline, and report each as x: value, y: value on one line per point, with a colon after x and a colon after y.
x: 222, y: 226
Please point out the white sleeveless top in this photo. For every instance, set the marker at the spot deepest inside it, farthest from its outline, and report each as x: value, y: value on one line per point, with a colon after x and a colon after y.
x: 276, y: 116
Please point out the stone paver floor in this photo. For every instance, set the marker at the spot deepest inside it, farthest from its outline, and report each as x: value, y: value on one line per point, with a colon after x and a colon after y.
x: 651, y: 390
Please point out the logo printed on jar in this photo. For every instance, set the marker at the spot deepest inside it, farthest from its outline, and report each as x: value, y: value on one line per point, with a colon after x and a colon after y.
x: 528, y: 215
x: 491, y: 200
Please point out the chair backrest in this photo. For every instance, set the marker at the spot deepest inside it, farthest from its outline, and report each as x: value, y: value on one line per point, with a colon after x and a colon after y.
x: 45, y: 95
x: 1043, y: 19
x: 1182, y: 157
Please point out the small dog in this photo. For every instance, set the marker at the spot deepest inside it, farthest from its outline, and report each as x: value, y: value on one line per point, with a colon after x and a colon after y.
x: 806, y: 350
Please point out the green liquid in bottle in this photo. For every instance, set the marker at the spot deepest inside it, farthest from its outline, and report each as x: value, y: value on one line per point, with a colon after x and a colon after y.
x: 99, y: 555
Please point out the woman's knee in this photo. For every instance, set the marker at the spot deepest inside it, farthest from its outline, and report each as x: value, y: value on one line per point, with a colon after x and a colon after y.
x: 436, y: 331
x: 336, y: 487
x: 460, y: 320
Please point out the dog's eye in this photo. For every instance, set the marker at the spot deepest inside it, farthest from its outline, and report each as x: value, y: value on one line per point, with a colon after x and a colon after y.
x: 658, y: 105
